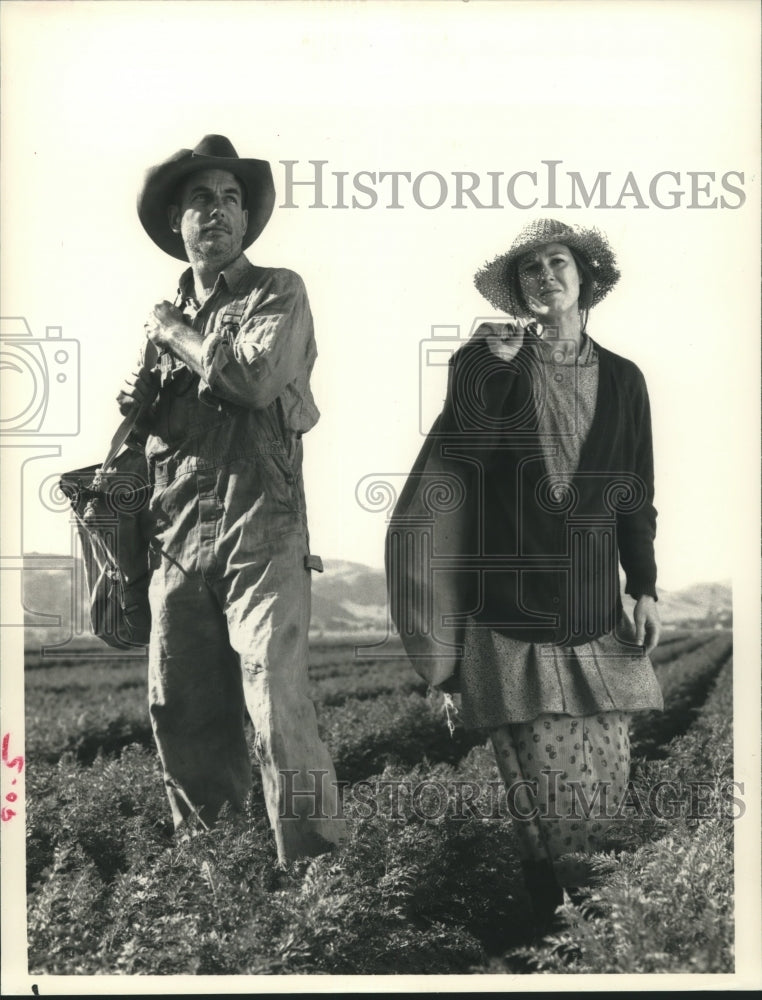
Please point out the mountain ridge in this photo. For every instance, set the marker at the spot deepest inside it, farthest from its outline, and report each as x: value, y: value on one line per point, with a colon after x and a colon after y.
x: 348, y: 597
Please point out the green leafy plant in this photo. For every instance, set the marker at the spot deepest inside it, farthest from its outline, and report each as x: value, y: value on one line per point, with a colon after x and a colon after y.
x: 111, y: 890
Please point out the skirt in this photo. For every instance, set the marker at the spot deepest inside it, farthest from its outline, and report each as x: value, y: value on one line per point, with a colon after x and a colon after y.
x: 505, y: 680
x: 565, y: 778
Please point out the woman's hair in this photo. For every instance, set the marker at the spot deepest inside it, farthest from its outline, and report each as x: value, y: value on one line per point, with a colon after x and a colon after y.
x: 586, y: 286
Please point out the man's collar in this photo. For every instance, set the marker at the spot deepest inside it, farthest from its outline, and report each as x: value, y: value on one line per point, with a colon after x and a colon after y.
x: 234, y: 273
x: 233, y: 276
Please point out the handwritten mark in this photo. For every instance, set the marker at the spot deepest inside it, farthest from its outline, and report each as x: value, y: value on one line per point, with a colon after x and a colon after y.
x: 17, y: 763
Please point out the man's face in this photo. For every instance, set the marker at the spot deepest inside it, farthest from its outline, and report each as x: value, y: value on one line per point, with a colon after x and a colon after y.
x: 210, y: 217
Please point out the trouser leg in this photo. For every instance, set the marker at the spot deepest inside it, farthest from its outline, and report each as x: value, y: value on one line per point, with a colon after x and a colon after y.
x: 268, y: 608
x: 578, y: 768
x: 195, y: 698
x: 545, y: 894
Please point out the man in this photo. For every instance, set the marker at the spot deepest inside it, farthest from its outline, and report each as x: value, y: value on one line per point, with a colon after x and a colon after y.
x: 224, y: 399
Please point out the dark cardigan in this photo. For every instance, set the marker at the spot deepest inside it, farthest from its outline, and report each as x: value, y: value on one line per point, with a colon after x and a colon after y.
x: 533, y: 562
x: 552, y: 548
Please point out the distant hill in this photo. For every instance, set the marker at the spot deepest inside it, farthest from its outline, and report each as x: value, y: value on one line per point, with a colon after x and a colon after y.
x: 347, y: 598
x: 705, y: 604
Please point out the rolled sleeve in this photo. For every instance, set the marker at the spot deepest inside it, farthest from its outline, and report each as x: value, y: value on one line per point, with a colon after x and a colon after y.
x: 272, y: 348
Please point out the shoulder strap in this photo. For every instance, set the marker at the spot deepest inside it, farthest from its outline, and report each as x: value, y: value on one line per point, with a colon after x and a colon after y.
x: 124, y: 428
x: 122, y: 433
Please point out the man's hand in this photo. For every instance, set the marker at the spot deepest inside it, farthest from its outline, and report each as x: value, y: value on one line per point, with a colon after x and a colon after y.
x: 162, y: 324
x: 138, y: 390
x: 168, y: 329
x: 647, y: 623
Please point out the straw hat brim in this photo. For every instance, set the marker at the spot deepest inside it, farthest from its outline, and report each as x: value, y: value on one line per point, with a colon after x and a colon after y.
x: 495, y: 279
x: 161, y: 182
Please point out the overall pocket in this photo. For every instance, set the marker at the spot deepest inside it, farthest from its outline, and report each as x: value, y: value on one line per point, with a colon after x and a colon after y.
x: 282, y: 479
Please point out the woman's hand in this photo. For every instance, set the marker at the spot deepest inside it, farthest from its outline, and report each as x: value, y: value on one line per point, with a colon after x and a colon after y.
x: 647, y: 623
x: 503, y: 339
x: 538, y: 307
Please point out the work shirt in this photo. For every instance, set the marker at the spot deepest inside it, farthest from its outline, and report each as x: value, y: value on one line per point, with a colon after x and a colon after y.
x: 230, y: 442
x: 259, y: 344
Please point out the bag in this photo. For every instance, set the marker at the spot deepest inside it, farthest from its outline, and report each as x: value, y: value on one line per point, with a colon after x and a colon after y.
x: 434, y: 546
x: 431, y: 530
x: 110, y: 508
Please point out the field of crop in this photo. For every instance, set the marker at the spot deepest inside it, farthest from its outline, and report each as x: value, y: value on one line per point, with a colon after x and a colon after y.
x: 428, y: 891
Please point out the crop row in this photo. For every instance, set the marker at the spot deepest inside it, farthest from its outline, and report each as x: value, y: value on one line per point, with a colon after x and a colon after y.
x: 684, y: 643
x: 372, y: 712
x: 685, y: 683
x: 409, y: 895
x: 111, y: 892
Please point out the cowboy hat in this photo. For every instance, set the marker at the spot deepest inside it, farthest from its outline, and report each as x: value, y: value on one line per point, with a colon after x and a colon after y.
x: 497, y: 279
x: 214, y: 152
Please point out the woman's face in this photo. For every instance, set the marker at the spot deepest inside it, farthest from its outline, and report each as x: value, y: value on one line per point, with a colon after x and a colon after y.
x: 549, y: 281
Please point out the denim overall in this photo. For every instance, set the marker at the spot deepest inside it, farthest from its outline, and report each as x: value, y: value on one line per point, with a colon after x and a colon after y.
x: 230, y: 605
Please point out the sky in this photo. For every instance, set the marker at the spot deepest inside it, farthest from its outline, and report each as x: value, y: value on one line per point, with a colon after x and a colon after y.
x: 93, y: 94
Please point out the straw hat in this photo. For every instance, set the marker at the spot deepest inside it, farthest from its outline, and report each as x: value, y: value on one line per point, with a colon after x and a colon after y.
x: 497, y: 279
x: 214, y: 152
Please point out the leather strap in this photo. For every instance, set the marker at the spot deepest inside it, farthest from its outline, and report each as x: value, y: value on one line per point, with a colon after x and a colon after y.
x: 122, y: 433
x: 123, y: 430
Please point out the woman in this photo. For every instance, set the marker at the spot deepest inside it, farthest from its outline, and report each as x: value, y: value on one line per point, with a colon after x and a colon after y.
x: 544, y: 446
